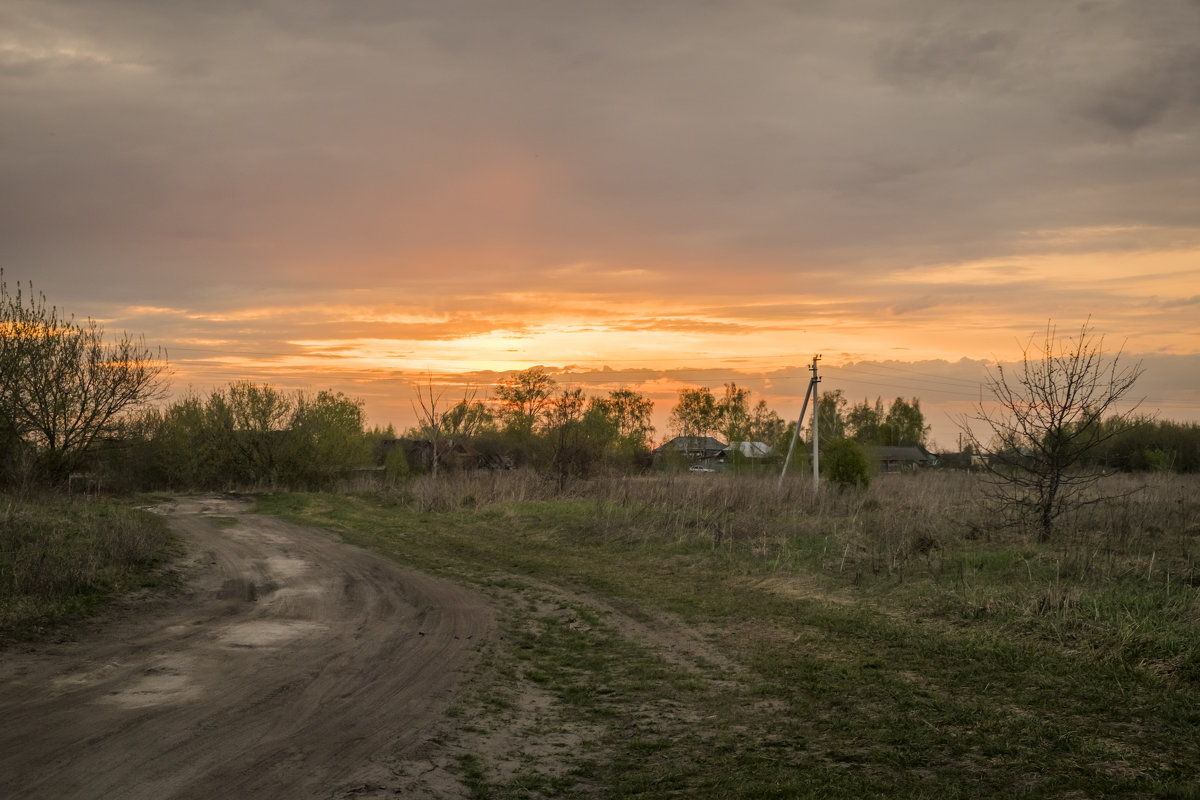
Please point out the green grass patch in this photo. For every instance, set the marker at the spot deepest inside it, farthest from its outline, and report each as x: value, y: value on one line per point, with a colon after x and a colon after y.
x: 62, y: 559
x: 717, y: 640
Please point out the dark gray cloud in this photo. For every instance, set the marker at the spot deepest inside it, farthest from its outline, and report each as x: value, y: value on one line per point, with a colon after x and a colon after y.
x: 965, y: 58
x: 203, y: 147
x: 1147, y: 93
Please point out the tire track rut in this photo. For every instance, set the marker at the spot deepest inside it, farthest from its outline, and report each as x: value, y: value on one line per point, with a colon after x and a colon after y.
x: 294, y: 666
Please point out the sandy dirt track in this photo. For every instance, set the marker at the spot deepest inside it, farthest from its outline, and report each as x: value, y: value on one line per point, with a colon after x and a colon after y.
x: 293, y: 666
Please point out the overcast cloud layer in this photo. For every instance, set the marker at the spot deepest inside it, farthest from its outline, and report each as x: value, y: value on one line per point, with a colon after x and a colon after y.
x: 934, y: 171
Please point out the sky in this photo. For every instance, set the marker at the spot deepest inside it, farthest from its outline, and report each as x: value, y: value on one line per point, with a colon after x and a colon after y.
x: 365, y: 195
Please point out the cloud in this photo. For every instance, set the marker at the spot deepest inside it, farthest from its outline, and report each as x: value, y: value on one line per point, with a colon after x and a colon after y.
x: 1144, y: 95
x: 1182, y: 302
x: 939, y: 57
x: 478, y: 183
x: 534, y: 137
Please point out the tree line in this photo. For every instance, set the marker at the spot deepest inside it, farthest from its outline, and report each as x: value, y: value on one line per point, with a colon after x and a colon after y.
x: 532, y: 421
x: 72, y: 400
x: 901, y: 424
x: 1150, y: 445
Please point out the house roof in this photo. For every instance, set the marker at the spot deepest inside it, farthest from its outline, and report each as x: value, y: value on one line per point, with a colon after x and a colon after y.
x: 750, y: 449
x: 692, y: 444
x: 916, y: 455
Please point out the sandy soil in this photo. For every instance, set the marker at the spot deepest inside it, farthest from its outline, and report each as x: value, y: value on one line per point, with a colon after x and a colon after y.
x: 293, y: 666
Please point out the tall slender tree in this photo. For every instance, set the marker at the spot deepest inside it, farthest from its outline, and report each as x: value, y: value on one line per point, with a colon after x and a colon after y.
x: 696, y: 413
x: 733, y: 413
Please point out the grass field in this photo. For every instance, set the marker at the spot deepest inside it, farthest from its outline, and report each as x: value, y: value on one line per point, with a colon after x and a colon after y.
x: 714, y: 636
x: 62, y: 558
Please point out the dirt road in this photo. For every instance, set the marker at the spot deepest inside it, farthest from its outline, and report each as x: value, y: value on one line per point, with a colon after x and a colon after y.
x: 294, y: 666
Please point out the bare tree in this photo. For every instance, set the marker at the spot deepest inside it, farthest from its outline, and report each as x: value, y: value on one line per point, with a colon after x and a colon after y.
x: 1047, y: 416
x: 429, y: 415
x: 446, y: 427
x: 61, y: 386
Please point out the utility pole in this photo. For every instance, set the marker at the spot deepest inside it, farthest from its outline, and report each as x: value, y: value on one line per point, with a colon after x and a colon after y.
x: 811, y: 393
x: 816, y: 422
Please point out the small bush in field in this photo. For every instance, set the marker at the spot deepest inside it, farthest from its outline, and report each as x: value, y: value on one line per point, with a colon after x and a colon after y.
x: 845, y: 463
x: 396, y: 465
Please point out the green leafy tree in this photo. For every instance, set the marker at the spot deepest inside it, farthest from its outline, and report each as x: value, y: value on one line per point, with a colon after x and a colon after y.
x: 575, y: 447
x: 261, y: 416
x: 844, y: 462
x: 627, y: 414
x: 831, y: 413
x: 184, y: 453
x: 524, y: 398
x: 699, y: 413
x: 630, y: 413
x: 1148, y: 444
x: 865, y: 422
x: 395, y: 465
x: 902, y: 424
x: 253, y: 434
x: 905, y: 424
x: 324, y: 440
x: 767, y: 427
x: 733, y: 414
x: 695, y: 414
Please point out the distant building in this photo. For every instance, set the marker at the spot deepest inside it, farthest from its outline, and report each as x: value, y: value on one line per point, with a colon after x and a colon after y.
x: 694, y: 449
x: 901, y: 459
x: 747, y: 450
x: 419, y: 455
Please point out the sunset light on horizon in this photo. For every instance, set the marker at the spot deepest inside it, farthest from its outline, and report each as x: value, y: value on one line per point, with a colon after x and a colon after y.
x: 365, y: 197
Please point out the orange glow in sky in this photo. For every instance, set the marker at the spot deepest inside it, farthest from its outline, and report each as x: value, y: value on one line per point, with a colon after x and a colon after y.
x: 603, y: 342
x: 353, y: 196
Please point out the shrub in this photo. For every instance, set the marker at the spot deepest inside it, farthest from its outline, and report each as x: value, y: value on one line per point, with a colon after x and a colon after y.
x: 396, y: 465
x: 844, y: 462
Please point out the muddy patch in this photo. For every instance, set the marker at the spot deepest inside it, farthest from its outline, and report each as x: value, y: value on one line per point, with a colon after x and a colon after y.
x: 266, y: 632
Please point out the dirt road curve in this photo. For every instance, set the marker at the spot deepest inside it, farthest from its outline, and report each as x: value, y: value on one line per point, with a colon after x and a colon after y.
x: 295, y: 666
